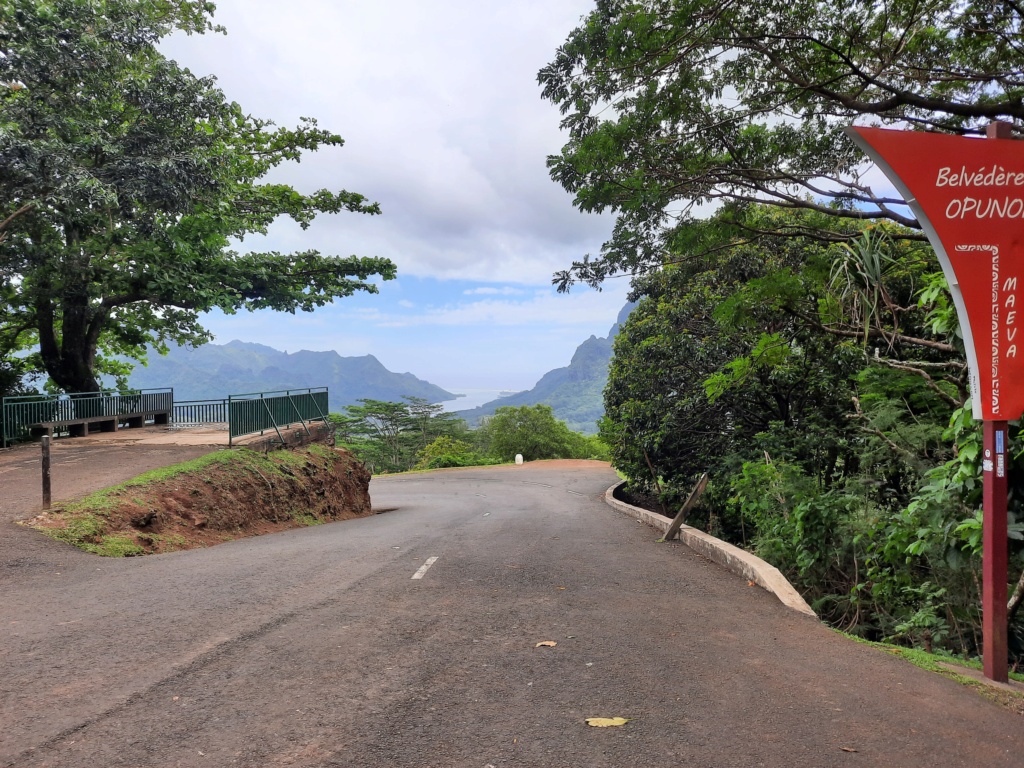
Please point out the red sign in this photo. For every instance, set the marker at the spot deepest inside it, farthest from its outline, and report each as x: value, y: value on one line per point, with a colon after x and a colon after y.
x: 968, y: 195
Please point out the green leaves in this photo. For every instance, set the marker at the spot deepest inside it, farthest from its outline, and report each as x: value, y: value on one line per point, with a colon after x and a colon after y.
x: 123, y: 178
x: 534, y: 432
x: 770, y: 352
x: 671, y: 104
x: 393, y: 437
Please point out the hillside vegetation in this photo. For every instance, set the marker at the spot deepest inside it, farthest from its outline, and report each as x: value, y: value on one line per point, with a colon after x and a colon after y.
x: 415, y: 434
x: 796, y: 336
x: 574, y: 393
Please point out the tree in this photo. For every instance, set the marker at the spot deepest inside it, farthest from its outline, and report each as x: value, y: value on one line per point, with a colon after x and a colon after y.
x: 446, y: 451
x: 428, y: 421
x: 671, y: 104
x: 531, y: 430
x: 389, y: 436
x: 724, y: 352
x: 123, y: 180
x: 800, y: 342
x: 377, y: 431
x: 798, y: 377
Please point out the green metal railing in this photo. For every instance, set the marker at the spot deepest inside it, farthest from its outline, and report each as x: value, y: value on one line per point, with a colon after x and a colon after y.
x: 201, y: 412
x: 263, y: 411
x: 22, y: 412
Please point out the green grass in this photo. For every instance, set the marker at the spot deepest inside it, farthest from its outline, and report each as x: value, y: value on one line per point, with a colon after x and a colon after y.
x: 304, y: 519
x: 241, y: 459
x: 172, y: 540
x: 78, y: 527
x: 86, y: 518
x: 114, y: 546
x: 932, y: 662
x: 84, y: 526
x: 103, y: 500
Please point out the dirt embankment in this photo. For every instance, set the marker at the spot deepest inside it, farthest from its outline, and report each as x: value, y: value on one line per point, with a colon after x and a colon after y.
x: 221, y: 496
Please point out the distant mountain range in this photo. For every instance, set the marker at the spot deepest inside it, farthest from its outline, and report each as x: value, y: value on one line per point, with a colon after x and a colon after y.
x: 575, y: 393
x: 214, y: 371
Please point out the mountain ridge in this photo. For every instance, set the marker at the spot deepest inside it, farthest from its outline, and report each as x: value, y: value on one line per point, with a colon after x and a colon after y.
x: 214, y: 371
x: 574, y: 392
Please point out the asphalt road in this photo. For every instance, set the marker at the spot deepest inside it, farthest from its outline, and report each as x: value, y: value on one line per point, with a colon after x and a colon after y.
x: 317, y: 647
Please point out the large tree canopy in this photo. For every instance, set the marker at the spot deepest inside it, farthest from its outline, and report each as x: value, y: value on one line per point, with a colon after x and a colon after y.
x: 124, y: 179
x: 795, y: 339
x: 675, y: 103
x: 827, y: 447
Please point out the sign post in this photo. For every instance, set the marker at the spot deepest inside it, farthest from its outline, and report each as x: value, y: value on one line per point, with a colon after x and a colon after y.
x: 968, y: 196
x: 995, y: 554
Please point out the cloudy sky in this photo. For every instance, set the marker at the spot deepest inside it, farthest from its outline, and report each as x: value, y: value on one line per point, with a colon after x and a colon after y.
x: 444, y: 126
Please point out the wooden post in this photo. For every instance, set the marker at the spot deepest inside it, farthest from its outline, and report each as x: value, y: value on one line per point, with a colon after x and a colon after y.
x: 691, y: 500
x: 45, y: 443
x: 995, y: 553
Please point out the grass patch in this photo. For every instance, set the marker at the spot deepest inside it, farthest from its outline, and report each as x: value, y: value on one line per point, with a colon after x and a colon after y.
x: 106, y: 499
x: 115, y: 546
x: 933, y: 662
x: 172, y: 540
x: 305, y: 519
x: 85, y: 531
x: 77, y: 528
x: 220, y: 496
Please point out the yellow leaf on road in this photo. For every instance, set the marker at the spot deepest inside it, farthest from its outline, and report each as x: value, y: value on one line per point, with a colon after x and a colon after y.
x: 546, y: 644
x: 606, y: 722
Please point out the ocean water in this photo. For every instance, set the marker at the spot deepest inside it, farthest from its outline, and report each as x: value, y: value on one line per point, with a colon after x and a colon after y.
x: 472, y: 399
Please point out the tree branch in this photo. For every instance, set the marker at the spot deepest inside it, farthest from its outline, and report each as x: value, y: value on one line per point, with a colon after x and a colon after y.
x: 932, y: 385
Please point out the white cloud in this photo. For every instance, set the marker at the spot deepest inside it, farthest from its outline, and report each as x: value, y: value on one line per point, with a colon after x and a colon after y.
x: 444, y: 126
x: 585, y: 308
x: 487, y: 290
x: 443, y: 122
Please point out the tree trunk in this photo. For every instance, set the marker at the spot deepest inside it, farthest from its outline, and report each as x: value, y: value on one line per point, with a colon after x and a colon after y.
x: 70, y: 360
x: 68, y: 322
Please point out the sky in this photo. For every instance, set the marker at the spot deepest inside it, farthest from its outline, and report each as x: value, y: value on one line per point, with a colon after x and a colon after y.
x: 445, y: 127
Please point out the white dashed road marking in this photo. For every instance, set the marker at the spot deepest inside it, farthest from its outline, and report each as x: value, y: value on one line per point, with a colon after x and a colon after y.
x: 424, y: 568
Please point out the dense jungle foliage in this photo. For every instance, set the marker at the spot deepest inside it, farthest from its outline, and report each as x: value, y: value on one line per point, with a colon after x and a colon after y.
x: 795, y: 337
x: 823, y: 388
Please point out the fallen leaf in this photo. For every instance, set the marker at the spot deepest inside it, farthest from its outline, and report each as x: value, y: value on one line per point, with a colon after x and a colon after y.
x: 848, y: 749
x: 606, y: 722
x: 751, y: 583
x: 546, y: 644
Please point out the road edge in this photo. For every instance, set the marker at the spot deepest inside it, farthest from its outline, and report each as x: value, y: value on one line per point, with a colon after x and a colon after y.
x: 730, y: 557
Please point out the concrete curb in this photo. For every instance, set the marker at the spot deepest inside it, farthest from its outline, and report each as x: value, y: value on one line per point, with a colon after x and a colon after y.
x: 730, y: 557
